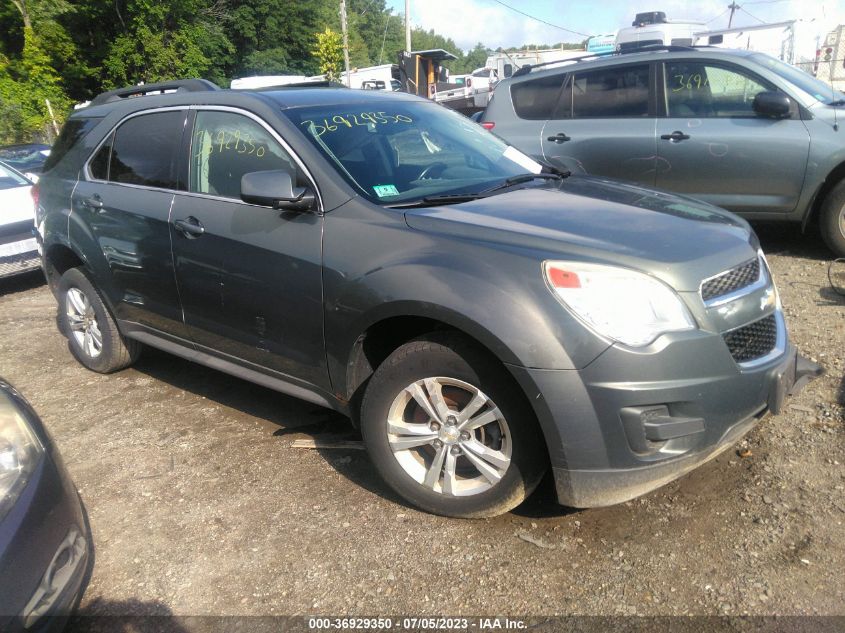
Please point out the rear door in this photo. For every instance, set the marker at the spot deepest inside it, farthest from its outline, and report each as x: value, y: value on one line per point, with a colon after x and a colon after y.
x: 605, y: 124
x: 121, y: 207
x: 713, y: 146
x: 249, y: 276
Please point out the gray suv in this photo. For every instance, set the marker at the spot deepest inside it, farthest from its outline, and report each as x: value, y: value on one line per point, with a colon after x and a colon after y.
x: 741, y: 130
x: 481, y: 317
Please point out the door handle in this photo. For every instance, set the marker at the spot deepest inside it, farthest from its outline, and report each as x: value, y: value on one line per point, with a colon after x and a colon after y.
x: 189, y: 227
x: 677, y: 135
x: 94, y: 202
x: 560, y: 137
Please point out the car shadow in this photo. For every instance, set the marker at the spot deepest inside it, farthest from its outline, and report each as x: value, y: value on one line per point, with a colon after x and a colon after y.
x: 127, y: 616
x: 22, y: 282
x: 785, y: 238
x: 290, y: 416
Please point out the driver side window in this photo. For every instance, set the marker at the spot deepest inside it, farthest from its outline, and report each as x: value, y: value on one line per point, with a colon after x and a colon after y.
x: 226, y: 146
x: 700, y: 90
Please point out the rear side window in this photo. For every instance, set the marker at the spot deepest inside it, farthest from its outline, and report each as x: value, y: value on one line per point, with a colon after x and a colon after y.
x: 145, y: 150
x: 72, y: 132
x: 537, y: 98
x: 611, y: 93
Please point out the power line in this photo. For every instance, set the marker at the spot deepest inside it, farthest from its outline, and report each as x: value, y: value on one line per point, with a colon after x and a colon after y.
x: 718, y: 16
x: 753, y: 16
x: 534, y: 17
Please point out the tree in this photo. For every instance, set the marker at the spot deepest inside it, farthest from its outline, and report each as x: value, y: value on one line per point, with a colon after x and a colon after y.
x: 329, y: 53
x: 25, y: 88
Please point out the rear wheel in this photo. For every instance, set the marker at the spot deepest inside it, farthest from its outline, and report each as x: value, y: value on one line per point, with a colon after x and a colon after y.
x: 93, y: 337
x: 449, y: 432
x: 832, y: 221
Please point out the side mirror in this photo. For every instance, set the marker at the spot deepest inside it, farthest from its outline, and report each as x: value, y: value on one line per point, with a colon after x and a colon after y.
x: 772, y: 104
x: 275, y: 189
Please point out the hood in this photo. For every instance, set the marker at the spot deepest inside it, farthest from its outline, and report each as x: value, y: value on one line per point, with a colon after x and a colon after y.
x: 677, y: 239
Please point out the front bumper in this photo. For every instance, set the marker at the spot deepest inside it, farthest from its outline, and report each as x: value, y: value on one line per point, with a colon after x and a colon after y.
x: 612, y: 438
x: 45, y: 552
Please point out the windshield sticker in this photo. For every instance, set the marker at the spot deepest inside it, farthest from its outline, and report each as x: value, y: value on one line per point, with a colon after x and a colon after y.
x: 363, y: 119
x: 522, y: 160
x: 384, y: 191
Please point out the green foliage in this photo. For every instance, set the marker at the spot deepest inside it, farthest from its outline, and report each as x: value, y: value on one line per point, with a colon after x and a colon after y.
x: 25, y: 87
x: 70, y: 50
x: 329, y: 52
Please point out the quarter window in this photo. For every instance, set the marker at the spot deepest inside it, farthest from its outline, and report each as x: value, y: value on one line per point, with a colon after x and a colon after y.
x: 699, y: 90
x: 99, y: 165
x: 145, y: 148
x: 611, y: 93
x: 226, y: 146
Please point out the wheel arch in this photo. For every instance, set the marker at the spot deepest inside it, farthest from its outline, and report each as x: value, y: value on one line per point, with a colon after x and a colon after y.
x: 836, y: 175
x: 58, y: 259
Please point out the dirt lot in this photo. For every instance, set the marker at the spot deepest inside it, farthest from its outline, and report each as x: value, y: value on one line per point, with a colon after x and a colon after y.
x: 199, y: 504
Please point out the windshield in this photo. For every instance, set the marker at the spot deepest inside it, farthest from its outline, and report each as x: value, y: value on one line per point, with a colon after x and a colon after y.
x: 9, y: 178
x: 409, y: 150
x: 816, y: 88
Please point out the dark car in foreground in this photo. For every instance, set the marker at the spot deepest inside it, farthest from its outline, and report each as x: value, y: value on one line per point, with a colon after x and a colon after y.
x: 45, y: 540
x: 738, y: 129
x: 480, y: 316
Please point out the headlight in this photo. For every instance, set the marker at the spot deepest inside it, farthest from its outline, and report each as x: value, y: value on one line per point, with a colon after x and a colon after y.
x: 619, y: 303
x: 20, y: 451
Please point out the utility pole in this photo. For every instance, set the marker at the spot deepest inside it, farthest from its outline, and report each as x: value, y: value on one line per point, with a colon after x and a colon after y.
x: 408, y: 25
x: 345, y: 42
x: 733, y: 6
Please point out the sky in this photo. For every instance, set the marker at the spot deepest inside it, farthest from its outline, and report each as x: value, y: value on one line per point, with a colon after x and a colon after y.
x: 489, y: 21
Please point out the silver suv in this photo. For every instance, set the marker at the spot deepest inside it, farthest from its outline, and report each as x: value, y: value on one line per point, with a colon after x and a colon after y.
x: 738, y: 129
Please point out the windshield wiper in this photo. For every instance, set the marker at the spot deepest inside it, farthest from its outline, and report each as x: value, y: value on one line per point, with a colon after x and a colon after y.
x: 456, y: 198
x: 838, y: 102
x: 523, y: 178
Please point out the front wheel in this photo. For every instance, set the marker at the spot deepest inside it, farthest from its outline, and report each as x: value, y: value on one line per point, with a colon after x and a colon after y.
x: 93, y: 337
x: 449, y: 432
x: 832, y: 221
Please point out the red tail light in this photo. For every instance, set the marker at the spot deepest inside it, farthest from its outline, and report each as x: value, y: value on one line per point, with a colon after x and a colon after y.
x: 488, y: 125
x: 34, y: 193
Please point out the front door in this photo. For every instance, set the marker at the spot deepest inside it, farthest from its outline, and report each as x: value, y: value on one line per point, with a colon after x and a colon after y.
x: 249, y: 276
x: 713, y: 146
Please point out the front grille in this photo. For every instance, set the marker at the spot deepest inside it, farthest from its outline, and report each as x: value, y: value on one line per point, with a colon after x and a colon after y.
x: 15, y: 264
x: 731, y: 280
x: 754, y: 340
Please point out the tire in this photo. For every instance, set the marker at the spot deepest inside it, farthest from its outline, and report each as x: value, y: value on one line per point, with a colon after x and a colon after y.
x: 93, y: 337
x: 445, y: 466
x: 832, y: 220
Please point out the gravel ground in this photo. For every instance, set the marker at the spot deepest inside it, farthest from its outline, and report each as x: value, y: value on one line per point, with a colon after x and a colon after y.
x: 200, y: 506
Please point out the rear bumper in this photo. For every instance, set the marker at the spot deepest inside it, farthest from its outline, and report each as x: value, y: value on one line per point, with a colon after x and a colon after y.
x: 612, y: 439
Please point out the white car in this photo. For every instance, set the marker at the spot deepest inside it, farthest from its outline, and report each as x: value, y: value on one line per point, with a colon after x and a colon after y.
x: 18, y: 247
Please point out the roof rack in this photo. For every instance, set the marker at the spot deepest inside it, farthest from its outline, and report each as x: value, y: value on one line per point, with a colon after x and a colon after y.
x: 179, y: 85
x: 527, y: 68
